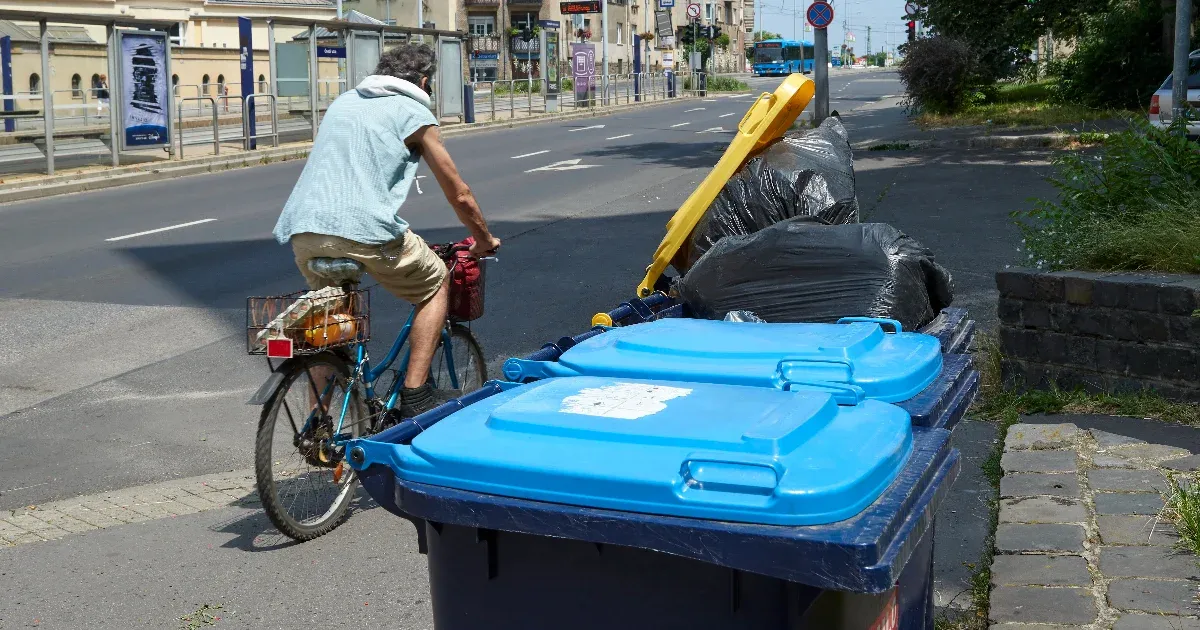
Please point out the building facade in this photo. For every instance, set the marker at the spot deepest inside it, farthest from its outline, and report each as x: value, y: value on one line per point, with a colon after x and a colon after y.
x: 205, y: 56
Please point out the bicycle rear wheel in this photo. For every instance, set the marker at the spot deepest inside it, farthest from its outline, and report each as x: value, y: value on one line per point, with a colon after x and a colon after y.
x: 466, y: 356
x: 304, y: 484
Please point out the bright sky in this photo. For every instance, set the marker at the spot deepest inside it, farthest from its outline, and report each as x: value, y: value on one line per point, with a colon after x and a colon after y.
x: 885, y: 17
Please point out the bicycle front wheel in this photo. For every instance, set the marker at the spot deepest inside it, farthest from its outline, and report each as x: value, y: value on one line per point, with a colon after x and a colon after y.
x: 464, y: 354
x: 303, y: 481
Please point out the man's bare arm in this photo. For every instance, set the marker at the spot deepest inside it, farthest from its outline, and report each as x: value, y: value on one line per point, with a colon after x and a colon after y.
x: 456, y: 190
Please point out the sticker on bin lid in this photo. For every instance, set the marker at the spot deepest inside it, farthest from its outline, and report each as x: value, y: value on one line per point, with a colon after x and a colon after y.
x: 627, y: 401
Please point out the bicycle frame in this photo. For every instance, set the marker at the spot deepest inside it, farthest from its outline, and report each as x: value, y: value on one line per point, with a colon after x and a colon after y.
x: 368, y: 375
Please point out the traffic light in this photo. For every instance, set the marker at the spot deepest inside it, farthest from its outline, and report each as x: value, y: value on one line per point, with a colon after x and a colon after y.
x: 712, y: 31
x: 912, y: 32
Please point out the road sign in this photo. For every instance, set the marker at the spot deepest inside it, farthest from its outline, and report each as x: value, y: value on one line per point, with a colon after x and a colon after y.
x: 911, y: 8
x: 666, y: 4
x: 331, y: 52
x: 820, y: 14
x: 693, y: 11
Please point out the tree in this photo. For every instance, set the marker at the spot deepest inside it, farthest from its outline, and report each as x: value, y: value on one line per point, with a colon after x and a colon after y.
x: 764, y: 35
x: 1003, y: 33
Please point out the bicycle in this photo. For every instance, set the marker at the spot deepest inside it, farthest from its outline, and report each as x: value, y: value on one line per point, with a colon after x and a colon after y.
x: 328, y: 394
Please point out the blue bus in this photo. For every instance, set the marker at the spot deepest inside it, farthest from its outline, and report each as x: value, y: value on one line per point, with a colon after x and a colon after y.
x: 782, y: 56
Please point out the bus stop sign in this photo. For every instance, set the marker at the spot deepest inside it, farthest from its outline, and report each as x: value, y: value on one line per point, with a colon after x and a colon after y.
x: 820, y: 14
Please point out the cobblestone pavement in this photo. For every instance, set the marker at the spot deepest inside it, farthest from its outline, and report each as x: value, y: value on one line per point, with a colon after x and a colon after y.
x: 51, y: 521
x: 1079, y: 543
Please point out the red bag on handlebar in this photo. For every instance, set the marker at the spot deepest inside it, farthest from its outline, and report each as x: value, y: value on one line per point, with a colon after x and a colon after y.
x: 466, y: 285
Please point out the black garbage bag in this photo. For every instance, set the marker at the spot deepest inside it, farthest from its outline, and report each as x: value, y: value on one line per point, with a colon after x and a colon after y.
x: 800, y: 270
x: 808, y: 173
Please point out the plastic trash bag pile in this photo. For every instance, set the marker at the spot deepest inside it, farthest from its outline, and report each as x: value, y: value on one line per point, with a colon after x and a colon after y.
x: 782, y: 241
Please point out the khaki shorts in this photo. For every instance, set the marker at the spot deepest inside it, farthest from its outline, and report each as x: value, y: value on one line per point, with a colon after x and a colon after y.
x: 406, y: 267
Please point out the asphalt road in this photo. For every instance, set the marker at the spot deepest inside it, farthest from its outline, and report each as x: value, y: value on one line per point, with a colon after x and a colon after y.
x: 123, y: 362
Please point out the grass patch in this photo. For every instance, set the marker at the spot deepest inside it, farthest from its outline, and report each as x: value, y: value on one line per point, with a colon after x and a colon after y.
x: 1132, y: 205
x: 1017, y: 105
x: 719, y: 84
x: 891, y: 146
x: 1183, y: 510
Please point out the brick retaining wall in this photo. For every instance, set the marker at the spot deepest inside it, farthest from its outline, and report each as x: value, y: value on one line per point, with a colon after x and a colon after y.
x: 1102, y: 332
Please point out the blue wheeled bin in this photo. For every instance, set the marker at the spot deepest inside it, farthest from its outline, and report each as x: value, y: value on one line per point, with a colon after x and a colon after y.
x: 871, y: 355
x: 599, y: 502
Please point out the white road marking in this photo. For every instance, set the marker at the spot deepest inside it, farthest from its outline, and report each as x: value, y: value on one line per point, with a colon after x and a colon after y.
x: 710, y: 100
x: 725, y: 115
x: 565, y: 165
x: 696, y: 109
x: 591, y: 127
x: 619, y: 137
x: 525, y: 155
x: 164, y: 229
x: 712, y: 130
x: 680, y: 124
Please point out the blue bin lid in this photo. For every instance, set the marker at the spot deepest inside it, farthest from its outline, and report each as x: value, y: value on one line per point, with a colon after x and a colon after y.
x: 890, y: 367
x: 701, y: 450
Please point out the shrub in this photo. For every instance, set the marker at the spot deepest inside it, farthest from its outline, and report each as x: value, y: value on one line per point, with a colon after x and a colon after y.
x: 719, y: 84
x: 1134, y: 205
x: 1118, y: 61
x: 938, y: 74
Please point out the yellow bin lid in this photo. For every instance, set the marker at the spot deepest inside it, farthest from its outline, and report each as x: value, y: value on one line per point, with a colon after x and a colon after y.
x: 767, y: 120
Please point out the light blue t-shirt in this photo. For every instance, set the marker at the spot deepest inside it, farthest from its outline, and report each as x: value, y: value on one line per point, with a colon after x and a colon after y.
x: 359, y: 170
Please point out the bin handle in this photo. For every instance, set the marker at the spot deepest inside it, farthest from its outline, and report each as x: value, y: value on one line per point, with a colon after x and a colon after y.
x: 787, y: 362
x: 844, y: 395
x: 714, y: 480
x: 897, y: 327
x: 742, y: 125
x: 520, y: 370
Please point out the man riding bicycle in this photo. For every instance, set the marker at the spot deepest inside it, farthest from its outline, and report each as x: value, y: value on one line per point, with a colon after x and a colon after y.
x: 347, y: 200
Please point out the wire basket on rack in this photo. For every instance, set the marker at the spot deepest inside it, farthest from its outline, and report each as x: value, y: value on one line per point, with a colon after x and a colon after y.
x: 308, y: 322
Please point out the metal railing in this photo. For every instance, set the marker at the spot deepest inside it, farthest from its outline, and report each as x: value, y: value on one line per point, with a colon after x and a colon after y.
x: 249, y: 106
x: 215, y: 125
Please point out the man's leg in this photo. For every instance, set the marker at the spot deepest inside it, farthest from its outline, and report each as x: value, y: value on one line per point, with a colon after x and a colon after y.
x: 428, y: 322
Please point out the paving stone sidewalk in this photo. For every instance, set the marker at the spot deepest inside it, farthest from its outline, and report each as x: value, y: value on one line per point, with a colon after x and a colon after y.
x: 51, y: 521
x: 1079, y: 543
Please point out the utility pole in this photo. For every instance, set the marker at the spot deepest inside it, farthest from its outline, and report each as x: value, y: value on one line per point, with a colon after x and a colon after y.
x: 1183, y: 36
x: 821, y: 74
x: 387, y: 11
x: 604, y: 45
x: 868, y: 41
x: 339, y: 9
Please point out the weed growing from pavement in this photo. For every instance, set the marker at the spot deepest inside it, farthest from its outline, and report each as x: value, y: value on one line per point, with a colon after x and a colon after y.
x: 1004, y: 406
x: 204, y: 616
x: 891, y: 146
x: 1183, y: 510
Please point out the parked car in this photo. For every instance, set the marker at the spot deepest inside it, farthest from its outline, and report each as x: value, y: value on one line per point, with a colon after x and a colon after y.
x: 1161, y: 105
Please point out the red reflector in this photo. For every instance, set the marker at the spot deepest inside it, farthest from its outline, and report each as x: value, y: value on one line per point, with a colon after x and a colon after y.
x: 279, y: 348
x: 1154, y: 104
x: 889, y: 619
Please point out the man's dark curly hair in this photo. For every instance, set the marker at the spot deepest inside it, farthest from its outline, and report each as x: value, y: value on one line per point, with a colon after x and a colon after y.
x: 410, y: 62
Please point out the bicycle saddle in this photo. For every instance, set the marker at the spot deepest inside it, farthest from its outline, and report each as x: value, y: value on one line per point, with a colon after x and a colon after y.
x: 337, y: 270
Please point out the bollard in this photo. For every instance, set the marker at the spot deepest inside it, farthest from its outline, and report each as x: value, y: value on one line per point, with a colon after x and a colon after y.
x: 469, y: 103
x: 670, y: 84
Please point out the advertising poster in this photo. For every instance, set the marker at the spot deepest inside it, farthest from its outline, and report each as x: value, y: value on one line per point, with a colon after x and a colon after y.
x: 551, y: 67
x: 583, y: 69
x: 144, y: 89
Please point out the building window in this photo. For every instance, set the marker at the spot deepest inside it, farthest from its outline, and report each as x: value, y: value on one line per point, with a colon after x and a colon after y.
x: 619, y: 33
x: 35, y: 84
x: 175, y: 84
x: 587, y: 26
x: 220, y: 85
x: 262, y: 84
x: 76, y: 86
x: 481, y: 25
x: 204, y: 85
x: 708, y: 11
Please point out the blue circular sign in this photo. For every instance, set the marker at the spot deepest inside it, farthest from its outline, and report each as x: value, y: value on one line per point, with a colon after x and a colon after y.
x: 820, y: 14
